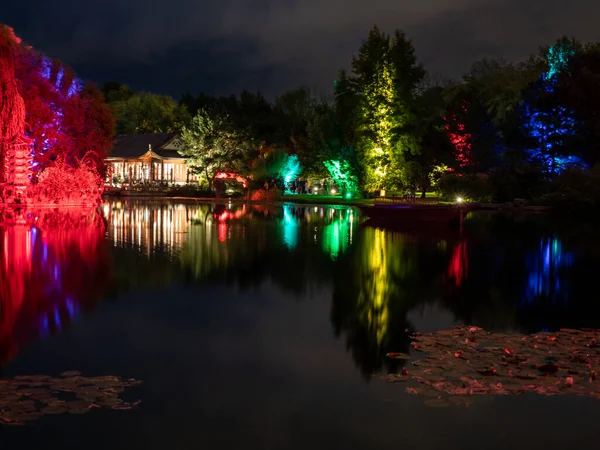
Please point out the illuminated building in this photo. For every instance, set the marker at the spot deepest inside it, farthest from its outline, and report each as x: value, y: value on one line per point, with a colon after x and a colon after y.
x: 147, y: 158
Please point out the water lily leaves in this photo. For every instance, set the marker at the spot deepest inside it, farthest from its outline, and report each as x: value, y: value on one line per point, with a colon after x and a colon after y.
x: 54, y: 410
x: 467, y: 361
x: 109, y: 401
x: 29, y: 397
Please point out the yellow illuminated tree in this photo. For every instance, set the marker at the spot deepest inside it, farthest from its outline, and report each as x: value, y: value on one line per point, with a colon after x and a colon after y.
x: 385, y: 76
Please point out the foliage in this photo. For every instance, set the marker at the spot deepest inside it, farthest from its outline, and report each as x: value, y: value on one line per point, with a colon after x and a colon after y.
x: 324, y: 139
x: 342, y: 173
x: 436, y: 173
x: 212, y: 145
x: 578, y: 89
x: 147, y: 113
x: 390, y: 126
x: 575, y: 191
x: 68, y: 184
x: 385, y: 75
x: 262, y: 195
x: 291, y: 170
x: 65, y: 117
x: 14, y: 147
x: 268, y: 165
x: 547, y: 123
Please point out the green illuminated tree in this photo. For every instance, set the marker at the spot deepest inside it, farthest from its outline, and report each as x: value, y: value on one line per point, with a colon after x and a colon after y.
x: 385, y: 74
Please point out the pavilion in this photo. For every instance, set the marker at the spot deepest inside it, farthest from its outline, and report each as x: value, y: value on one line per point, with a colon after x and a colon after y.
x: 146, y: 159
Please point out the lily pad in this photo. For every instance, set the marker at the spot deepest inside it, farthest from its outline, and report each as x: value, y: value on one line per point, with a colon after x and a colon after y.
x: 468, y: 361
x: 26, y: 398
x: 70, y: 373
x: 398, y: 355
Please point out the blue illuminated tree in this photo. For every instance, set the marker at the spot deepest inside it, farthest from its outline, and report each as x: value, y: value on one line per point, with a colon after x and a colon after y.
x: 547, y: 123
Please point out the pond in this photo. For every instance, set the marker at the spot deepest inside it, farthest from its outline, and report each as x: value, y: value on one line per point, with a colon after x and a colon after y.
x: 269, y: 327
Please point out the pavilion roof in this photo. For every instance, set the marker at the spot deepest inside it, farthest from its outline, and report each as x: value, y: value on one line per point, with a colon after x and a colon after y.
x: 132, y: 146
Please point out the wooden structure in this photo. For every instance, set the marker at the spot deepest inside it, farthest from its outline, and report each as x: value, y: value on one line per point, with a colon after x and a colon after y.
x: 146, y: 159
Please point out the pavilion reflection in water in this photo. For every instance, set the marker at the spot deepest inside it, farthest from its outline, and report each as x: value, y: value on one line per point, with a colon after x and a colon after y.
x: 148, y: 227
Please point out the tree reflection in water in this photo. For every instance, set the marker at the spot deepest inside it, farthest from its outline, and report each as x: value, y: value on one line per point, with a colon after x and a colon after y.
x: 55, y: 263
x: 375, y: 288
x: 378, y: 276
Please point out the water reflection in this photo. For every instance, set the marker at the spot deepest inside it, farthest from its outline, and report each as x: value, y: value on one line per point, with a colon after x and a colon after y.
x: 458, y: 266
x: 147, y: 226
x: 290, y: 228
x: 378, y: 276
x: 495, y: 275
x: 545, y: 271
x: 54, y: 265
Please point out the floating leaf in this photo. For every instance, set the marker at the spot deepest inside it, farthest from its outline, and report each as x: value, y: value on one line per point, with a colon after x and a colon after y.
x: 70, y: 373
x: 26, y: 398
x: 467, y: 361
x: 398, y: 355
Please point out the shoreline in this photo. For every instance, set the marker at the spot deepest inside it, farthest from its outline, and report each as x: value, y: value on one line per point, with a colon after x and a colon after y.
x: 333, y: 201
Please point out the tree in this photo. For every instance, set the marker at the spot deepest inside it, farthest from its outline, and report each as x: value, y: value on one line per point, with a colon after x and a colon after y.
x: 114, y: 91
x: 212, y: 145
x: 385, y: 75
x: 324, y: 139
x: 66, y: 117
x: 429, y: 130
x: 546, y: 122
x: 578, y: 89
x: 149, y: 113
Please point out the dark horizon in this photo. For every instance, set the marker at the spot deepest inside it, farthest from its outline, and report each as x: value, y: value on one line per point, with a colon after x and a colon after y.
x: 182, y: 46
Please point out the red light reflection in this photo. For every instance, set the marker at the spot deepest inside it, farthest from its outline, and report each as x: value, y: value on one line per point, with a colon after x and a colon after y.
x: 459, y: 264
x: 53, y: 264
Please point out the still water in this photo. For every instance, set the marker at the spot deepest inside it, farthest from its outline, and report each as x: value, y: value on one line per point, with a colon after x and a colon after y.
x: 264, y: 327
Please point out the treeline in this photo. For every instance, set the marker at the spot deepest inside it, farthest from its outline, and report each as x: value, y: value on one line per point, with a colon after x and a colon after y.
x: 503, y: 131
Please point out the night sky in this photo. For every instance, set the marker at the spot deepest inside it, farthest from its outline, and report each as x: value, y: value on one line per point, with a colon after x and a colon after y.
x: 222, y: 47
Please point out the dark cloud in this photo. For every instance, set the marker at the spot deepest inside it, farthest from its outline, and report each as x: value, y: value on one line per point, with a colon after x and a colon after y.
x: 272, y: 45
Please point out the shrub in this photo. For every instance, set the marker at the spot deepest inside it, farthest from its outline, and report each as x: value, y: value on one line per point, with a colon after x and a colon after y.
x: 575, y: 191
x: 261, y: 195
x: 62, y: 184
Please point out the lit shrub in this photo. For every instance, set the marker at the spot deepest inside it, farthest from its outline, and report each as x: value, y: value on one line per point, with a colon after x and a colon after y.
x: 262, y: 195
x: 63, y: 184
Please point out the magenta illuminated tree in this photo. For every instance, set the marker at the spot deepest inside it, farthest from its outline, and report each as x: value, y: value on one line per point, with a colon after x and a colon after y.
x: 53, y: 128
x: 15, y: 148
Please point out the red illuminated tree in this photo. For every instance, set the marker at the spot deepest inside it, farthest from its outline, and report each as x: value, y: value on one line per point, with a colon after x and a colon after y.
x: 460, y: 138
x: 65, y: 117
x: 14, y: 146
x: 53, y: 127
